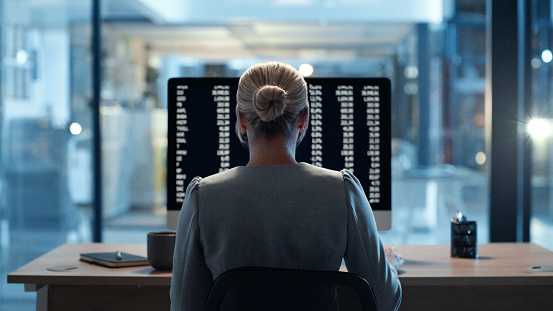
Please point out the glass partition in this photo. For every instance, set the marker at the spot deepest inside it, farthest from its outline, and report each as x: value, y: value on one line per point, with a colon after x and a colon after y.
x: 39, y: 147
x: 540, y: 128
x: 437, y: 70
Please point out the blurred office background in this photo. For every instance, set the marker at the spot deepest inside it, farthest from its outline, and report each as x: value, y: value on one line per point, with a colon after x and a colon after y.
x: 433, y: 51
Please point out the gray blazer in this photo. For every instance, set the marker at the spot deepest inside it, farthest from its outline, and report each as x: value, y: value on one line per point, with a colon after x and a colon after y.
x: 285, y: 216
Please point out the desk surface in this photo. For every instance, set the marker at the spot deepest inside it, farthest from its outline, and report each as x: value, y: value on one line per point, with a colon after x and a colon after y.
x: 35, y: 272
x: 498, y: 264
x: 425, y: 265
x: 499, y: 280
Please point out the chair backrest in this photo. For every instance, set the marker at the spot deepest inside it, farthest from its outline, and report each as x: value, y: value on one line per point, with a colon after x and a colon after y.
x: 284, y: 289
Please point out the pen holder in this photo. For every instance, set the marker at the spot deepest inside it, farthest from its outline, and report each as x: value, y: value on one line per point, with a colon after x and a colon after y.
x: 463, y: 239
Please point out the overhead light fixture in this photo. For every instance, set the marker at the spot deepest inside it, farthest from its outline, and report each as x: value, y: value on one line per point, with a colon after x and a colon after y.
x: 546, y: 56
x: 75, y: 128
x: 535, y: 63
x: 411, y: 72
x: 154, y: 62
x: 480, y: 158
x: 22, y: 56
x: 306, y: 70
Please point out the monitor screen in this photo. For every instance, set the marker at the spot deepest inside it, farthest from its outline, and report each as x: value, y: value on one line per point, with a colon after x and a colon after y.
x: 349, y: 128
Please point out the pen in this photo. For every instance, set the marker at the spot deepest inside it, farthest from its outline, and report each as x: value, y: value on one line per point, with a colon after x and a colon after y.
x: 118, y: 255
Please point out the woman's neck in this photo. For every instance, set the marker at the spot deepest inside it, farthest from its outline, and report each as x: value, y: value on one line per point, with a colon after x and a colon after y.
x: 278, y: 150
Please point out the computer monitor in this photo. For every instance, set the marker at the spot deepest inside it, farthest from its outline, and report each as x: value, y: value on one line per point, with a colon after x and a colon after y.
x: 349, y: 128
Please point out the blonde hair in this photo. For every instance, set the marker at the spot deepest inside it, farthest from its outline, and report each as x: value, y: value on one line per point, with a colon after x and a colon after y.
x: 271, y: 96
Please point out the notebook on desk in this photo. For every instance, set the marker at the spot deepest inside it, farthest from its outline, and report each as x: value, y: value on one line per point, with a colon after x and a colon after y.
x: 115, y: 259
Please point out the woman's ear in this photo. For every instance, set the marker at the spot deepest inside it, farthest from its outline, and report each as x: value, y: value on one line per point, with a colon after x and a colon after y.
x: 243, y: 122
x: 302, y: 119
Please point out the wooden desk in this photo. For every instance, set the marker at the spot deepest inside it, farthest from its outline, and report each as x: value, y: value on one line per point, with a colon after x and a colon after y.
x: 499, y: 280
x: 93, y: 287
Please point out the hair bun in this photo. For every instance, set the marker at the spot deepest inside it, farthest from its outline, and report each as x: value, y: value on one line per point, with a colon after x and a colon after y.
x: 269, y: 102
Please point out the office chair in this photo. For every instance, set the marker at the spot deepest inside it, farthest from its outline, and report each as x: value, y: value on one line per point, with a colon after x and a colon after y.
x: 255, y: 288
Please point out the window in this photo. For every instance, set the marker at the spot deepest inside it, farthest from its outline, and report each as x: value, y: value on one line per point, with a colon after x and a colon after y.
x: 541, y: 127
x: 436, y: 62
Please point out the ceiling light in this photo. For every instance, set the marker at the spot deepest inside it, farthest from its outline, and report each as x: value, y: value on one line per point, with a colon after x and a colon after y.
x: 75, y: 128
x: 306, y: 70
x: 22, y: 57
x: 546, y: 56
